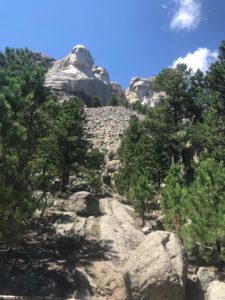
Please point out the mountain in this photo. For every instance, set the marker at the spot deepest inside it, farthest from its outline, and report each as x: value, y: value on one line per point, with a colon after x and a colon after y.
x: 76, y: 74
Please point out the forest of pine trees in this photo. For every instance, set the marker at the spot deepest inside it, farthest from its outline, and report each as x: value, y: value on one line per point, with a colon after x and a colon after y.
x: 176, y: 158
x: 40, y: 141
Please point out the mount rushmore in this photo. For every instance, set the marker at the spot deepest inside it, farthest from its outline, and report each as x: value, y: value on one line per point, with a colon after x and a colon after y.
x: 76, y: 74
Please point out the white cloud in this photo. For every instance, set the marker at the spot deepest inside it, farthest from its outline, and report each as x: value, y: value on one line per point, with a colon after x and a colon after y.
x: 187, y: 16
x: 201, y: 59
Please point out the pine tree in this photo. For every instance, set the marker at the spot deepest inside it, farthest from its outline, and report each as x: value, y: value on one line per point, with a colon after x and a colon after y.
x: 128, y: 155
x: 173, y: 196
x: 92, y: 169
x: 141, y: 194
x: 69, y: 139
x: 113, y: 101
x: 95, y: 102
x: 22, y: 102
x: 205, y: 208
x: 179, y: 84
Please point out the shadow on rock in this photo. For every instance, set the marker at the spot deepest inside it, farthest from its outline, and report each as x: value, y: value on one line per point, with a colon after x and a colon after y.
x: 192, y: 291
x: 40, y: 266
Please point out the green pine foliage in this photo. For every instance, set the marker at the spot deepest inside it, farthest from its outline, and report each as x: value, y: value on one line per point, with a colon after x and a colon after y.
x: 69, y: 139
x: 177, y: 155
x: 113, y: 101
x: 22, y: 101
x: 95, y: 102
x: 40, y: 140
x: 139, y: 107
x: 93, y: 168
x: 140, y: 194
x: 173, y: 197
x: 205, y: 209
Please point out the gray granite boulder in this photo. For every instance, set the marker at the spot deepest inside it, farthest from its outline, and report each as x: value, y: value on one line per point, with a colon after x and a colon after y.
x: 216, y: 290
x: 83, y: 203
x: 205, y: 277
x: 157, y: 269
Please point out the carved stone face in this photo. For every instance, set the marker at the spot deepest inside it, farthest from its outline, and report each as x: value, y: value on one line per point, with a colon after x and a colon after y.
x: 81, y: 57
x: 101, y: 73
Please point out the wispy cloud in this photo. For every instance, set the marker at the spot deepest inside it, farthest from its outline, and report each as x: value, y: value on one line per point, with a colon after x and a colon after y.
x: 187, y: 15
x: 201, y: 59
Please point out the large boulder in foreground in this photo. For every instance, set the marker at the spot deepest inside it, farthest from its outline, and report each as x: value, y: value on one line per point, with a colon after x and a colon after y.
x: 84, y: 204
x: 216, y: 290
x: 157, y: 269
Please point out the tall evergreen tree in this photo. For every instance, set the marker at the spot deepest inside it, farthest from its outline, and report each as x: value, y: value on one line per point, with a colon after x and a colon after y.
x: 22, y: 102
x: 68, y: 136
x: 205, y: 208
x: 173, y: 196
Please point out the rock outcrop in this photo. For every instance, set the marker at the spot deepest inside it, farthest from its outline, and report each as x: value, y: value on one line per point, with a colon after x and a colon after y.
x: 157, y: 269
x: 140, y: 90
x: 105, y: 127
x: 118, y: 92
x: 42, y: 58
x: 83, y: 203
x: 205, y: 277
x: 104, y: 130
x: 118, y: 232
x: 216, y: 291
x: 76, y: 74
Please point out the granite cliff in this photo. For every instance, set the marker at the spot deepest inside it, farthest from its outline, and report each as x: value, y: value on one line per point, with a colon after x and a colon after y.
x: 76, y: 74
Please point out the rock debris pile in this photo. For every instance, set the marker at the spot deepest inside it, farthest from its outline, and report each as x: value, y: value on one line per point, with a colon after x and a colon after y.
x: 106, y: 125
x: 105, y: 128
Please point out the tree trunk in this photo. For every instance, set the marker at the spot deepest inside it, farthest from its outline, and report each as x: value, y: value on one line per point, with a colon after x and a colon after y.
x: 65, y: 180
x: 218, y: 254
x: 143, y: 212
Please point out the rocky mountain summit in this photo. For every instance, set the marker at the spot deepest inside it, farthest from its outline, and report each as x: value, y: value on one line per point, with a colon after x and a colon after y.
x: 76, y: 74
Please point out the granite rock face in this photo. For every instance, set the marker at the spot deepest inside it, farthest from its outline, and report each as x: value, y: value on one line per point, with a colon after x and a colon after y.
x: 216, y: 290
x: 84, y: 204
x: 140, y: 90
x: 157, y: 269
x: 76, y: 74
x: 205, y: 277
x: 118, y: 92
x: 42, y: 58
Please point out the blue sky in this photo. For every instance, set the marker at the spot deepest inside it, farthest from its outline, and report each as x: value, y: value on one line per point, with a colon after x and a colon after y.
x: 128, y: 37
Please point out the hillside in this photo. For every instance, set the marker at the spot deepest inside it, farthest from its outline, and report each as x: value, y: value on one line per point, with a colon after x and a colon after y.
x: 114, y: 202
